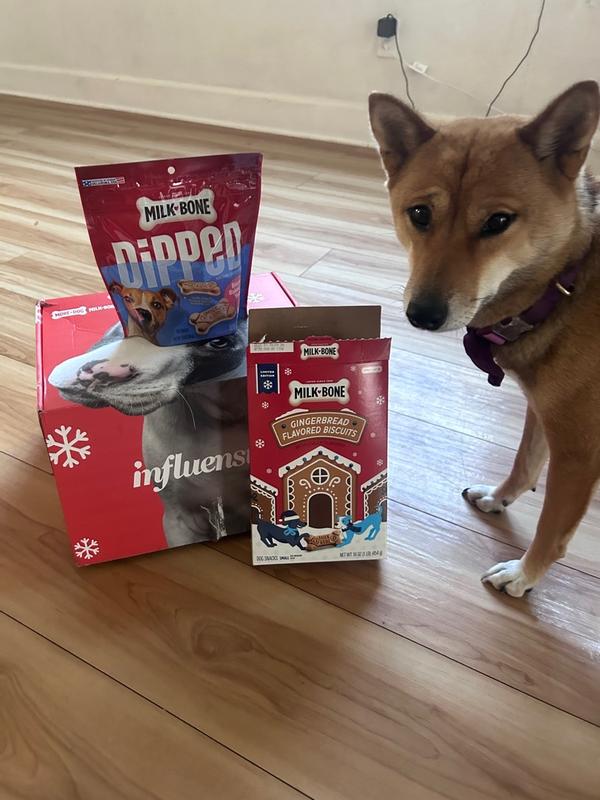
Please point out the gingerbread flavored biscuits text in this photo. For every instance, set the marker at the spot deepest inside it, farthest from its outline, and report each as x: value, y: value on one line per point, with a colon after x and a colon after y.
x: 301, y: 425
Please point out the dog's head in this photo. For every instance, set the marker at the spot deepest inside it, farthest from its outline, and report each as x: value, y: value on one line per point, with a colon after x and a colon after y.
x: 293, y: 522
x: 146, y: 308
x: 483, y: 205
x: 137, y: 377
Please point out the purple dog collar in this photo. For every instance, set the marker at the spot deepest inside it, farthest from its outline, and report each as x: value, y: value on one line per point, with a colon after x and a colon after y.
x: 478, y: 341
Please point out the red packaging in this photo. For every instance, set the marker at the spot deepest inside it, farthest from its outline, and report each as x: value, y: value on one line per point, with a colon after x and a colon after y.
x: 317, y: 410
x: 148, y: 445
x: 174, y: 240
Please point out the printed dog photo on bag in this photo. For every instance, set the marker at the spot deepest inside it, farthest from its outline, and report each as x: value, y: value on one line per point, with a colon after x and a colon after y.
x: 147, y: 310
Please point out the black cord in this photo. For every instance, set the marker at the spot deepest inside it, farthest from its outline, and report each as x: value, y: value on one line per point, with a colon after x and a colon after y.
x: 412, y: 102
x: 533, y: 38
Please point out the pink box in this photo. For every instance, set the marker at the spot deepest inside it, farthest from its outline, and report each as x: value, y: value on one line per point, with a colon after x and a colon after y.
x: 148, y: 445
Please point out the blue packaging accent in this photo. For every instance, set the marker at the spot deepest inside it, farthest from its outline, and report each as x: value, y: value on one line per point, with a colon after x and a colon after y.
x: 267, y: 378
x: 169, y: 305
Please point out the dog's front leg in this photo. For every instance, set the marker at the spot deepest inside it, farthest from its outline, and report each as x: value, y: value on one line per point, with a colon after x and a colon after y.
x: 529, y: 461
x: 571, y: 481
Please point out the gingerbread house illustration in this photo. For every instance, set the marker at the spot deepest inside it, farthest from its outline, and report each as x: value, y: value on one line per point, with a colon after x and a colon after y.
x: 320, y: 486
x: 374, y: 492
x: 263, y: 500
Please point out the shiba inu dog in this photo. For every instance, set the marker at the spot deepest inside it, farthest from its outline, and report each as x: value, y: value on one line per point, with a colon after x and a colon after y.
x: 499, y: 219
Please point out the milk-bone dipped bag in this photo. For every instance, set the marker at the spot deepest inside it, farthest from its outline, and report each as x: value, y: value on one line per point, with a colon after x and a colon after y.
x: 173, y: 240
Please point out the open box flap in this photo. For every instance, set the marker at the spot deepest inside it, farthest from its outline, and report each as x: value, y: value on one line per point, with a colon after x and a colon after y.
x: 291, y: 324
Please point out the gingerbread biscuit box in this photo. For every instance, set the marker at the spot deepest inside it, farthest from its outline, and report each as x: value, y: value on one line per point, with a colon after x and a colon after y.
x: 318, y: 421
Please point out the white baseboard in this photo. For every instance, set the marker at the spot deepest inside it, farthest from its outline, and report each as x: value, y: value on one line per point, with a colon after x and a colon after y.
x: 307, y: 117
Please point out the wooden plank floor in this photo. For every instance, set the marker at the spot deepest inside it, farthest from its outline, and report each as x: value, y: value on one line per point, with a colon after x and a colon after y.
x: 190, y: 674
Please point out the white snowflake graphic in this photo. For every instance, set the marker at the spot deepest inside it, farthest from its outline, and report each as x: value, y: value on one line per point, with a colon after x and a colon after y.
x: 287, y: 371
x: 68, y: 446
x: 264, y: 404
x: 380, y: 462
x: 86, y: 548
x: 268, y: 384
x: 254, y: 297
x: 259, y: 443
x: 380, y: 400
x: 353, y: 368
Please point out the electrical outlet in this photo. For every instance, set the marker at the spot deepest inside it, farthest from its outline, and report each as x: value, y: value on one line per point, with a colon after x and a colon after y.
x: 387, y: 29
x: 386, y: 48
x: 416, y: 66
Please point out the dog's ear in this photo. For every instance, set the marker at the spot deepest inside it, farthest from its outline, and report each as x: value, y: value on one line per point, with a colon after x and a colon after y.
x: 563, y: 131
x: 398, y: 129
x: 169, y: 296
x: 115, y: 288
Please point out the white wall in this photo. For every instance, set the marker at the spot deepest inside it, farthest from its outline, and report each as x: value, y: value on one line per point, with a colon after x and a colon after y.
x: 302, y: 67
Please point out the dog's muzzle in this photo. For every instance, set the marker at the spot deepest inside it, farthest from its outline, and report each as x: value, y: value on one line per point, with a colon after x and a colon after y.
x: 144, y: 316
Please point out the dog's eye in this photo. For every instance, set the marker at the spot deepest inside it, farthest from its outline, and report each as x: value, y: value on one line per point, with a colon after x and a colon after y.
x: 496, y: 224
x: 128, y: 298
x: 219, y: 344
x: 156, y: 305
x: 420, y: 216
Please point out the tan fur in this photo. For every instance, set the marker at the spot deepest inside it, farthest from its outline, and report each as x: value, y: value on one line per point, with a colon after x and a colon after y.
x: 465, y: 170
x: 147, y: 309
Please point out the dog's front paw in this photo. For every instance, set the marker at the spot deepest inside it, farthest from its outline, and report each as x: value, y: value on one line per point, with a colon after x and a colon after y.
x: 509, y: 577
x: 485, y: 498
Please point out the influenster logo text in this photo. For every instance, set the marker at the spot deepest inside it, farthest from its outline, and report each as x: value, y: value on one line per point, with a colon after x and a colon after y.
x: 175, y: 467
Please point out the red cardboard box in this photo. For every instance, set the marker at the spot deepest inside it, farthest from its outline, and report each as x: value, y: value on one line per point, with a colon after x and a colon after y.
x: 148, y: 445
x: 317, y: 407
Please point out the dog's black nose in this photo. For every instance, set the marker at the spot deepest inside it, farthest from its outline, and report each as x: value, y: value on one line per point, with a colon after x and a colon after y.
x: 429, y: 313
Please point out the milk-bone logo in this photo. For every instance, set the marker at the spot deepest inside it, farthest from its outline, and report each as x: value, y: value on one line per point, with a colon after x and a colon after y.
x: 319, y: 350
x: 298, y: 426
x: 335, y: 392
x: 69, y: 312
x: 198, y: 206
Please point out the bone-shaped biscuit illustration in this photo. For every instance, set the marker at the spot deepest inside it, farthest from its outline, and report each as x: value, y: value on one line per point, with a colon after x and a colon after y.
x: 203, y: 321
x: 199, y: 287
